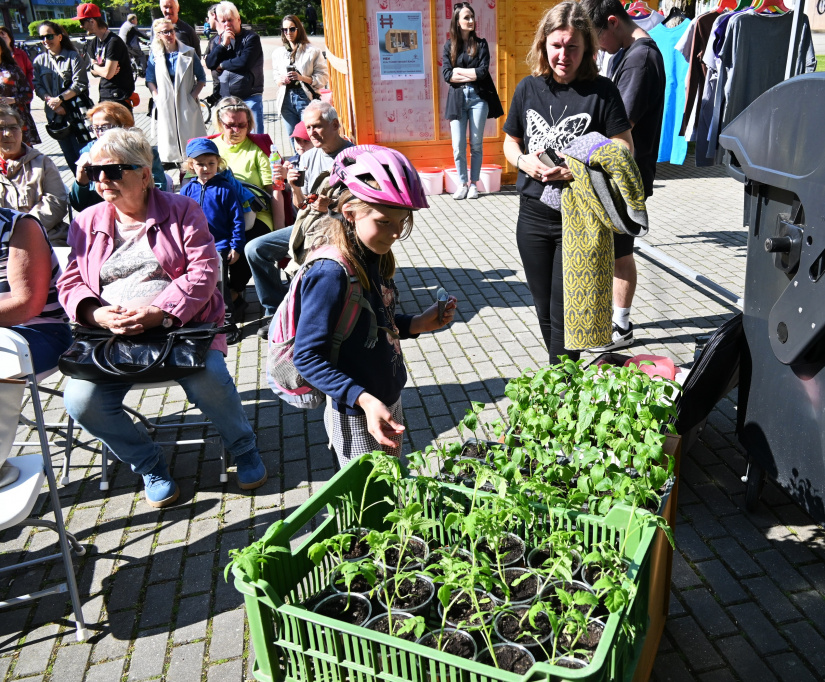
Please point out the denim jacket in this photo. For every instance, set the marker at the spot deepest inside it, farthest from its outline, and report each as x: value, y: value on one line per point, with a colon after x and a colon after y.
x: 180, y: 239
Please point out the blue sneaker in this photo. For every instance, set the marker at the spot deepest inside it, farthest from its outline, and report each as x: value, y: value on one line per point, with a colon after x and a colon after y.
x: 251, y: 470
x: 161, y: 489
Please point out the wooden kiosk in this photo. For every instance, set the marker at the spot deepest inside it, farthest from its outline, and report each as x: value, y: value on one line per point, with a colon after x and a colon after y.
x: 396, y: 95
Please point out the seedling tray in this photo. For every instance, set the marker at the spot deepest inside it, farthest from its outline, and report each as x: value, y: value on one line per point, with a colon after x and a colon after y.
x: 296, y: 645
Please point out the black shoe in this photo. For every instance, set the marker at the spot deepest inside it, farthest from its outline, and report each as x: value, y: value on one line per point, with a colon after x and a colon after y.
x: 234, y: 336
x: 622, y: 338
x: 263, y: 331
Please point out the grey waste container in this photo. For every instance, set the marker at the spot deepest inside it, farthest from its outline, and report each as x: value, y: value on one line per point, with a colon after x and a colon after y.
x: 777, y: 148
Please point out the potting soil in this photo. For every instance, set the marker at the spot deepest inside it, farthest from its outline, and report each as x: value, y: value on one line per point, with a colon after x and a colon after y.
x: 511, y: 627
x: 526, y: 589
x: 383, y: 625
x: 409, y: 593
x: 458, y: 644
x: 510, y: 659
x: 414, y: 552
x: 509, y: 549
x: 589, y: 641
x: 463, y: 609
x: 358, y: 547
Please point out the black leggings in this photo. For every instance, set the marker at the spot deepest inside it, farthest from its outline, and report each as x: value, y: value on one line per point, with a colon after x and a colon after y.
x: 538, y: 235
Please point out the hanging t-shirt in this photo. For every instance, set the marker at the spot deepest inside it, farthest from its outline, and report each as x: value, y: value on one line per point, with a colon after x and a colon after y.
x: 640, y: 77
x: 545, y: 114
x: 650, y: 21
x: 672, y: 145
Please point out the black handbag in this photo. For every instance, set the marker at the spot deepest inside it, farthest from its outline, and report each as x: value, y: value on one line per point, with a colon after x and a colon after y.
x: 156, y: 355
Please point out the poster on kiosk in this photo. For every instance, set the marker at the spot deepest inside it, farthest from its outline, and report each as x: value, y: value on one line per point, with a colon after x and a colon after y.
x: 402, y: 71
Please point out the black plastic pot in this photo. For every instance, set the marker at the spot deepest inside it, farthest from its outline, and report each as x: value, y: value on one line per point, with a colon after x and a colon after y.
x: 513, y: 573
x: 488, y: 616
x: 396, y: 617
x: 431, y: 639
x: 525, y: 660
x: 420, y: 609
x: 516, y: 560
x: 345, y: 603
x: 359, y: 533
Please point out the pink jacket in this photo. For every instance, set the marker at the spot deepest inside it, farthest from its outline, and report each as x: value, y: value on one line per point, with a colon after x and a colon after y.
x: 178, y: 236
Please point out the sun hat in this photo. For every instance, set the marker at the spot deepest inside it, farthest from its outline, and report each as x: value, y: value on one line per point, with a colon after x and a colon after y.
x: 87, y: 10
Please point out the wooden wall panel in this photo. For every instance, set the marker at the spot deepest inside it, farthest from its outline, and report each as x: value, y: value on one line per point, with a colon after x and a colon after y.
x: 346, y: 34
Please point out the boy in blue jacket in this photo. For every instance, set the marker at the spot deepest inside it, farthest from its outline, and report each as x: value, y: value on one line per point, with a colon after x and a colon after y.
x: 222, y: 207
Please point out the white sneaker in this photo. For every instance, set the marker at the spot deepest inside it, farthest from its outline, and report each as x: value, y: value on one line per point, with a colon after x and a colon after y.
x: 461, y: 192
x: 472, y: 192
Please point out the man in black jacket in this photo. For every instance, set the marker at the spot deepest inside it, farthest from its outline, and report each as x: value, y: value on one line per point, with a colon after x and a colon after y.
x: 185, y: 33
x: 239, y: 59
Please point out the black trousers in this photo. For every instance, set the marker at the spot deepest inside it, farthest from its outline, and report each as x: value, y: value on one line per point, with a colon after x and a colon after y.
x: 239, y: 271
x: 538, y: 235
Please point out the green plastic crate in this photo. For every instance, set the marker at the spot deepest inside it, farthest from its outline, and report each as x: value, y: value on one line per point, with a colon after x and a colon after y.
x: 296, y: 645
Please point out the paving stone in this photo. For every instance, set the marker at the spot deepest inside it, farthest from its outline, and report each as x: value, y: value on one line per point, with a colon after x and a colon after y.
x: 813, y: 605
x: 764, y: 637
x: 744, y: 660
x: 148, y: 656
x: 735, y: 557
x: 771, y: 599
x: 723, y: 585
x: 231, y: 671
x: 693, y: 643
x: 167, y: 562
x: 721, y: 675
x: 690, y: 544
x: 683, y: 575
x: 781, y: 571
x: 671, y: 668
x: 745, y: 532
x: 106, y: 672
x: 703, y: 521
x: 187, y: 663
x: 70, y: 663
x: 809, y: 645
x: 203, y: 536
x: 789, y: 668
x: 157, y: 605
x: 708, y: 613
x: 227, y: 635
x: 117, y: 634
x: 197, y: 574
x: 34, y: 655
x: 193, y: 614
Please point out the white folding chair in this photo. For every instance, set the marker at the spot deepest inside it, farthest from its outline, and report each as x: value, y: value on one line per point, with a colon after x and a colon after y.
x: 153, y: 428
x: 17, y: 499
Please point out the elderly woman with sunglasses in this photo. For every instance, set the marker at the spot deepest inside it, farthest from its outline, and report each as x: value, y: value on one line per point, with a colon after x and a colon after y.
x: 60, y: 81
x: 103, y: 117
x: 300, y: 69
x: 29, y: 180
x: 247, y: 155
x: 141, y: 260
x: 175, y: 77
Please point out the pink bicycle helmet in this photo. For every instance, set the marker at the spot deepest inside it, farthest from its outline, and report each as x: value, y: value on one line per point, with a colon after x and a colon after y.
x: 398, y: 182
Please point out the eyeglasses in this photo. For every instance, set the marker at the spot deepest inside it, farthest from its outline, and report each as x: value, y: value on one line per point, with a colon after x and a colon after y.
x: 48, y: 37
x: 99, y: 130
x: 167, y: 32
x: 9, y: 130
x: 235, y: 126
x: 291, y: 29
x: 114, y: 171
x: 459, y: 5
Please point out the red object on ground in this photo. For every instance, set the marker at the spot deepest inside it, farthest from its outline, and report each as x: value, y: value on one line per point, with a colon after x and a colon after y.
x: 661, y: 367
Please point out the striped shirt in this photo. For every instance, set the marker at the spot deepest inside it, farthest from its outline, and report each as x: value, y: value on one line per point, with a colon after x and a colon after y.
x: 52, y: 312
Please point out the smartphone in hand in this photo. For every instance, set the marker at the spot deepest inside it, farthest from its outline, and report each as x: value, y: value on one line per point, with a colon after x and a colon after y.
x: 550, y: 158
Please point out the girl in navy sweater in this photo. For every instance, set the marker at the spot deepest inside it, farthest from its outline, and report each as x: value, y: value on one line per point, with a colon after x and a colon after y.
x: 222, y: 207
x: 378, y: 191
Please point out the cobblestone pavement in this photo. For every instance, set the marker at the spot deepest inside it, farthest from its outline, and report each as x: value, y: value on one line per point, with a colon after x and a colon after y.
x: 747, y: 600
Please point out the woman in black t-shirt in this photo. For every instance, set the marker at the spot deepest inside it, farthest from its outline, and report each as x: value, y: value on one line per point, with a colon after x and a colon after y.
x: 472, y: 97
x: 563, y: 99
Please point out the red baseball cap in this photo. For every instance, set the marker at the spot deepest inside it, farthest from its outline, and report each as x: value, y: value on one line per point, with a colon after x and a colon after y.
x: 87, y: 11
x: 300, y: 132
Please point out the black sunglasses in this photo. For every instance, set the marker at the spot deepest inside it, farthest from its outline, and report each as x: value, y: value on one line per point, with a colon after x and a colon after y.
x: 114, y: 171
x: 459, y: 5
x: 291, y: 29
x: 48, y: 37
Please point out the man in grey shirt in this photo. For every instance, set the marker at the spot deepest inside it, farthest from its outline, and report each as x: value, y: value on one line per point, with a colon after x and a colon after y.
x: 263, y: 253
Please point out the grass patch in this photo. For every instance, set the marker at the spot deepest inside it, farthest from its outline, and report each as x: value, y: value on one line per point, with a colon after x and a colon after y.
x: 820, y: 62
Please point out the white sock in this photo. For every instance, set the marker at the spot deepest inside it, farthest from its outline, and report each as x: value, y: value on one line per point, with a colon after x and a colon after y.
x: 621, y: 317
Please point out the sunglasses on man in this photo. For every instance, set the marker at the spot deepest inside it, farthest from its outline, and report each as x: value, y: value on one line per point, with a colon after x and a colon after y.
x: 113, y: 171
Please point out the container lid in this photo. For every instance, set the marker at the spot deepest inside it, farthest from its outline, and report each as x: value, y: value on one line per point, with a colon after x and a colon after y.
x: 429, y: 169
x: 490, y: 166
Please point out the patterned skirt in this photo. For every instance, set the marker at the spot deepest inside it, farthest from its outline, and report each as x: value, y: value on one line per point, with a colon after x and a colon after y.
x: 349, y: 437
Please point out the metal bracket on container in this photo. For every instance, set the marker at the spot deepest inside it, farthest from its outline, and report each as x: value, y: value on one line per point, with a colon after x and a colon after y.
x: 796, y: 320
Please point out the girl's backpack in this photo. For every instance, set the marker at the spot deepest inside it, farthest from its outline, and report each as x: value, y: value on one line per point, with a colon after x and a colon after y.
x: 281, y: 373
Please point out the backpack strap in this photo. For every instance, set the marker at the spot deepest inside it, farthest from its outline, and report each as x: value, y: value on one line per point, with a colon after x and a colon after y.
x: 354, y: 302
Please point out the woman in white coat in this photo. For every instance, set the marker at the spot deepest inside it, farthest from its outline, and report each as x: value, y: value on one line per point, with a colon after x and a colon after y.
x: 175, y: 77
x: 300, y: 72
